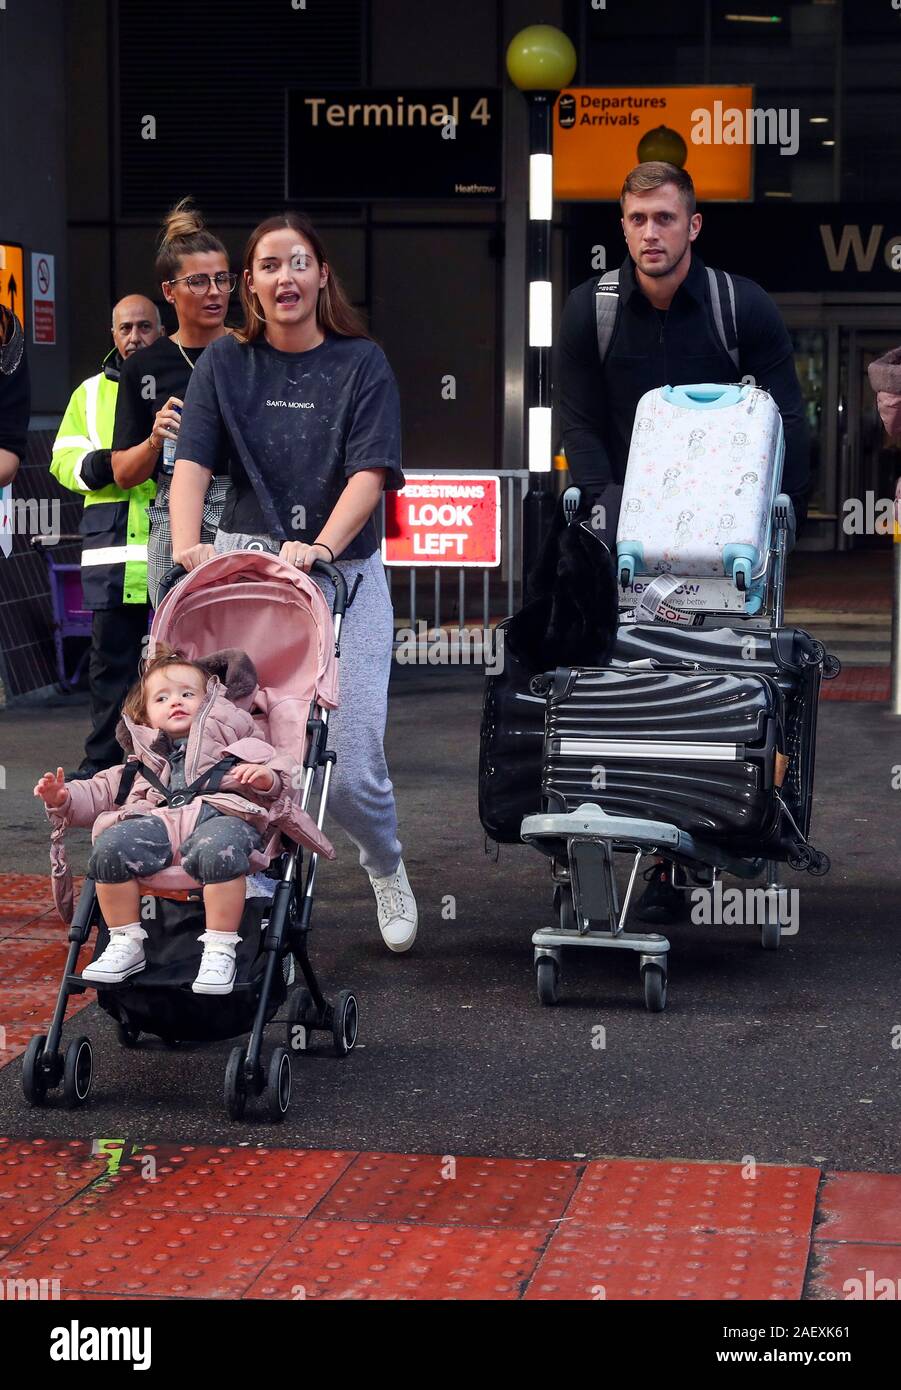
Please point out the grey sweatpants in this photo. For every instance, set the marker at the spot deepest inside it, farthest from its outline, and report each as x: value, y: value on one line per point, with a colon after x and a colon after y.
x: 361, y: 797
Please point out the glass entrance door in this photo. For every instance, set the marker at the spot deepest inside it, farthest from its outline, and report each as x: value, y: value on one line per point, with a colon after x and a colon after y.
x: 872, y: 461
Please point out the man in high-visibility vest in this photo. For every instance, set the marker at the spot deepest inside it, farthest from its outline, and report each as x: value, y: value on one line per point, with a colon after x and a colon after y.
x: 114, y: 528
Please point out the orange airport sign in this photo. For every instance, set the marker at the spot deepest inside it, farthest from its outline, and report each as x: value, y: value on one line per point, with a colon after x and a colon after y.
x: 600, y: 133
x: 12, y: 279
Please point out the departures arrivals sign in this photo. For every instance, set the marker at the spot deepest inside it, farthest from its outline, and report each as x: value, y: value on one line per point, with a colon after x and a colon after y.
x: 444, y: 519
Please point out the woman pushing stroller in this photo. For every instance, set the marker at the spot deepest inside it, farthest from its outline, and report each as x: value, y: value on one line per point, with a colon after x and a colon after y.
x: 205, y: 792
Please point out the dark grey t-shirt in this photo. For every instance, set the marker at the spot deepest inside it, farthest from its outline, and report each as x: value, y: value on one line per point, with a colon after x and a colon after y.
x: 295, y: 426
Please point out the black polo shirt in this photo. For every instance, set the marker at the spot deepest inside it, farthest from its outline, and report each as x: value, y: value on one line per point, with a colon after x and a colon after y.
x: 678, y: 346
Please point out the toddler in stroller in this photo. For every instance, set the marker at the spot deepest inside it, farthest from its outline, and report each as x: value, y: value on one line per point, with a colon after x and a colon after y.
x: 227, y: 743
x: 150, y: 813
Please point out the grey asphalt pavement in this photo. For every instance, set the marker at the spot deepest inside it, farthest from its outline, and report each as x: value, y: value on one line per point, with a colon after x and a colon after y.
x: 786, y: 1055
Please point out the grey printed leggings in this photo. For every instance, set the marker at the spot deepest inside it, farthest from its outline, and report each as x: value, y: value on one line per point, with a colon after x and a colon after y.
x: 218, y: 849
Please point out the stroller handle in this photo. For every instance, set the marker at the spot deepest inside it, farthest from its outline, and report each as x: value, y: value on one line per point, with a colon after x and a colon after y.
x: 178, y: 572
x: 169, y: 581
x: 333, y: 573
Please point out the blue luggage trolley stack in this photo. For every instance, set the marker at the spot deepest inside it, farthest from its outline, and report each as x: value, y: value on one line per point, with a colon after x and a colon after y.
x: 697, y: 742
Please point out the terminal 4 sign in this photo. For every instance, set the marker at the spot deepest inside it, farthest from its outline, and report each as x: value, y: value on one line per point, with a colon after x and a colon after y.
x: 444, y: 519
x: 362, y: 145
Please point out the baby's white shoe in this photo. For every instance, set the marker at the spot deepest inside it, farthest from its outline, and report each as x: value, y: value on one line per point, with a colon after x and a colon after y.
x: 218, y: 964
x: 123, y: 956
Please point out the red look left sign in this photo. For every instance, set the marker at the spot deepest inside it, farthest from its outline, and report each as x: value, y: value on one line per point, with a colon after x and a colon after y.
x: 444, y: 519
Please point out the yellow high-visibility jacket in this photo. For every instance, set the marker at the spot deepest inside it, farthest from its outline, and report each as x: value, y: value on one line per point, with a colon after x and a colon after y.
x: 114, y: 524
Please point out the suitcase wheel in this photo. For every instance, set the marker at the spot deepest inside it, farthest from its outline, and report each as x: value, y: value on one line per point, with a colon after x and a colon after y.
x: 547, y: 979
x: 654, y: 981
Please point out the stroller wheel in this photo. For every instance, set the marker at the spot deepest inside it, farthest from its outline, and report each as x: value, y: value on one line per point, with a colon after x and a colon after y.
x: 345, y: 1021
x: 770, y: 932
x: 78, y: 1072
x: 127, y: 1035
x: 34, y: 1080
x: 301, y: 1018
x: 278, y: 1084
x: 547, y: 977
x: 654, y: 978
x: 235, y: 1084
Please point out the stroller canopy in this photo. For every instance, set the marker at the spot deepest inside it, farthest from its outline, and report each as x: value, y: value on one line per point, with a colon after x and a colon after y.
x: 252, y: 601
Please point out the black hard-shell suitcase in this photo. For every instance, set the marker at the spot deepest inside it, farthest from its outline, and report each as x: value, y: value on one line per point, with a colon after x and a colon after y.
x: 794, y: 659
x: 512, y: 738
x: 512, y: 735
x: 696, y: 749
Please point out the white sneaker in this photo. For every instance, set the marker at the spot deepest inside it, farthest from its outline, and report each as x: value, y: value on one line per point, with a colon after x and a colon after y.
x: 398, y: 914
x: 123, y: 956
x: 217, y: 965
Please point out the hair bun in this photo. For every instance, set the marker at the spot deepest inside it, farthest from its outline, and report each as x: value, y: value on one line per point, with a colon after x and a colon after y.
x: 183, y: 220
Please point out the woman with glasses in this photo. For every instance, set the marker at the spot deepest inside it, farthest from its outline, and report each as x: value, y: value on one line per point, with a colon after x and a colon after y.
x: 192, y: 268
x: 306, y: 406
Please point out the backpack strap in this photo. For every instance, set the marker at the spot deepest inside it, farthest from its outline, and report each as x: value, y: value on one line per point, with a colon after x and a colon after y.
x: 722, y: 304
x: 606, y: 308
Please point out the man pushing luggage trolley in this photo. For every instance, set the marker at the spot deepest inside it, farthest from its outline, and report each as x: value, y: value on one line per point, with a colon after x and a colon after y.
x: 664, y: 319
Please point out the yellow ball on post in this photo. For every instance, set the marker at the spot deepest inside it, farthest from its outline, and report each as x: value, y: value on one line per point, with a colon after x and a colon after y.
x: 541, y: 58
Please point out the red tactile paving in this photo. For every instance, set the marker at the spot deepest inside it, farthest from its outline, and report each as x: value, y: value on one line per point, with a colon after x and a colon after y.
x: 186, y: 1221
x: 858, y: 683
x: 37, y: 1177
x: 444, y: 1189
x: 856, y: 1272
x: 32, y: 964
x: 32, y: 958
x: 249, y: 1182
x: 356, y: 1260
x: 31, y: 890
x: 149, y: 1253
x: 696, y: 1197
x: 597, y: 1263
x: 860, y: 1207
x: 21, y: 926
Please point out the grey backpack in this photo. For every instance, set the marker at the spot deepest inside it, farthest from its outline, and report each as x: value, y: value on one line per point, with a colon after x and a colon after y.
x: 722, y: 302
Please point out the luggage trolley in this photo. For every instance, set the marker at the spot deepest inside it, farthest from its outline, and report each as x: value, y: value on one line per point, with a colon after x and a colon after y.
x: 581, y: 841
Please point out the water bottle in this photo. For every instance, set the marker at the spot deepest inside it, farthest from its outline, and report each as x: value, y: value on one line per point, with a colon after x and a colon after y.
x: 169, y: 447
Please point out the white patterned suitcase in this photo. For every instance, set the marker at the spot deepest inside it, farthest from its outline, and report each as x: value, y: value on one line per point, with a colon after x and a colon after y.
x: 704, y: 468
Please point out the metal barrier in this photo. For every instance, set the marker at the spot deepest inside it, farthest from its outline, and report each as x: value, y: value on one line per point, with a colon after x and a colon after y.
x: 500, y: 587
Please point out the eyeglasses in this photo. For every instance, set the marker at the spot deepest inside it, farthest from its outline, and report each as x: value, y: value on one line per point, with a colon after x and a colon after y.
x: 200, y: 284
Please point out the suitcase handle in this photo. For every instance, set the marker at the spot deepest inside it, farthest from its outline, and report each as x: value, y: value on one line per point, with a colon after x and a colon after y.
x: 706, y: 396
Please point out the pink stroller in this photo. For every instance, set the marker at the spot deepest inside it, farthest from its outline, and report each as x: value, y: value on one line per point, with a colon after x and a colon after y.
x: 248, y: 605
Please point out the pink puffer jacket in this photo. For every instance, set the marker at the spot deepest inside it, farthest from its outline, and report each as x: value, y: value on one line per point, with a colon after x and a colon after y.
x: 220, y: 728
